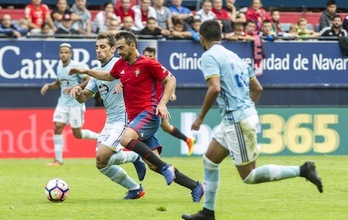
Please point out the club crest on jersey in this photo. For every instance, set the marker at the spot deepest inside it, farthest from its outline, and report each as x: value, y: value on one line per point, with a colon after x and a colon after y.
x: 137, y: 72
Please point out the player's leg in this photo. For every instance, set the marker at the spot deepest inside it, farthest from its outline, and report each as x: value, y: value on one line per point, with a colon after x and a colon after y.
x: 180, y: 178
x: 76, y: 119
x: 117, y: 174
x: 146, y: 124
x: 169, y: 128
x: 215, y: 154
x: 60, y: 118
x: 245, y: 149
x: 110, y: 136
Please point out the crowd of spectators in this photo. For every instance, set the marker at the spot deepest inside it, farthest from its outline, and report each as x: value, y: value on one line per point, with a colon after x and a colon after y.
x: 156, y: 19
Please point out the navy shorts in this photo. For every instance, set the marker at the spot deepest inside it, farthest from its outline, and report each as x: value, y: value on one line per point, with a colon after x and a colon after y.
x: 146, y: 125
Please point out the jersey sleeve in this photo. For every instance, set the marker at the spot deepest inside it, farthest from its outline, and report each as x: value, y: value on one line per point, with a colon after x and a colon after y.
x: 92, y: 86
x: 210, y: 67
x: 158, y: 71
x: 115, y: 70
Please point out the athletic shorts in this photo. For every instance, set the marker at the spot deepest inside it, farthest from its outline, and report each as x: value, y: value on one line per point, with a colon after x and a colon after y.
x: 146, y: 125
x: 70, y: 115
x: 240, y: 139
x: 111, y: 135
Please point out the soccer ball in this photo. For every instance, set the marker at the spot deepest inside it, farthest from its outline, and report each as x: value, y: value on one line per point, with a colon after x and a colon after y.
x: 56, y: 190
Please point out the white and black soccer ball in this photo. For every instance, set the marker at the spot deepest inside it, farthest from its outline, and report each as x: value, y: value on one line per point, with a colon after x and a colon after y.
x: 56, y: 190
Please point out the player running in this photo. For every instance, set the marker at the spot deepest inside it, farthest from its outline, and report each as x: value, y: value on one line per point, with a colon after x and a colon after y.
x: 109, y: 150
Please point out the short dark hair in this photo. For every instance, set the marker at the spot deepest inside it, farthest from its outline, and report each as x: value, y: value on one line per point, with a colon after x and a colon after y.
x: 150, y: 50
x: 210, y: 30
x: 266, y: 21
x: 109, y: 37
x: 337, y: 16
x: 331, y: 2
x: 128, y: 36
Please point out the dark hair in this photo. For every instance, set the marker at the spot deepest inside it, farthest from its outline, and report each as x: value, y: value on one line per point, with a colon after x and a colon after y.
x: 151, y: 18
x: 128, y: 36
x: 266, y: 21
x: 331, y: 2
x: 337, y: 16
x: 108, y: 3
x: 150, y: 50
x: 109, y: 37
x: 210, y: 30
x: 249, y: 21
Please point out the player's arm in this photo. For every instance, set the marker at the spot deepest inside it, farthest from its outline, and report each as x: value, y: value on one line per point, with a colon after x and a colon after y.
x: 209, y: 100
x: 255, y: 89
x: 48, y: 86
x: 81, y: 95
x: 98, y: 74
x: 169, y: 87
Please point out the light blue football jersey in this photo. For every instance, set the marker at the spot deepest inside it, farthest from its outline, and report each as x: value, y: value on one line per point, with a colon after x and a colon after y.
x: 113, y: 102
x: 67, y: 80
x: 234, y: 101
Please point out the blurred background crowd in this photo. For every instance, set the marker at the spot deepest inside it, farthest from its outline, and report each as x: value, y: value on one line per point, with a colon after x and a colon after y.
x: 170, y: 19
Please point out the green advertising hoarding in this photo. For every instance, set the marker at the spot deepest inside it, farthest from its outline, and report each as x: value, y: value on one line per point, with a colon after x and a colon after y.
x: 283, y: 131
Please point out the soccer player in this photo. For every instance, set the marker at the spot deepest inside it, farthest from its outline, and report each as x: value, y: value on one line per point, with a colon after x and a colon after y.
x: 138, y: 75
x: 68, y: 110
x: 109, y: 151
x: 165, y: 125
x: 232, y: 83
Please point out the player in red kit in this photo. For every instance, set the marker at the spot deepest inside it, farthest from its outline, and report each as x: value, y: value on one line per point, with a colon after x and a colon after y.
x: 138, y: 75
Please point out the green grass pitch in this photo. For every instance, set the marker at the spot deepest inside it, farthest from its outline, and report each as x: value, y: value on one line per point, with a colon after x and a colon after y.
x: 93, y: 196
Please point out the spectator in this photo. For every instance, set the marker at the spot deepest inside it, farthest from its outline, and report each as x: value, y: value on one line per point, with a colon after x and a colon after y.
x: 152, y: 29
x: 293, y: 29
x: 257, y: 14
x: 142, y: 12
x: 328, y: 14
x: 179, y: 30
x: 104, y: 17
x: 196, y: 24
x: 237, y: 33
x: 335, y: 30
x: 181, y: 13
x: 37, y: 13
x: 205, y: 13
x: 222, y: 15
x: 345, y: 23
x: 275, y: 15
x: 9, y: 29
x: 83, y: 24
x: 65, y: 27
x: 303, y: 32
x: 266, y: 32
x: 128, y: 25
x: 113, y: 27
x: 60, y: 11
x: 164, y: 16
x: 236, y: 15
x: 125, y: 10
x: 46, y: 30
x: 23, y: 24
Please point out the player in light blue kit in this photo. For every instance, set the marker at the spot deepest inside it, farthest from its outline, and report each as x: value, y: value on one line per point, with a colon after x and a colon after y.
x: 232, y: 83
x: 109, y: 149
x: 68, y: 110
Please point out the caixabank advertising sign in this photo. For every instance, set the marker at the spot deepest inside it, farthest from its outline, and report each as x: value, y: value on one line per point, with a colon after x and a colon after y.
x: 28, y: 133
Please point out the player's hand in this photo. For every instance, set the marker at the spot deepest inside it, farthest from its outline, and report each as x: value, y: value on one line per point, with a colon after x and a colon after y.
x: 197, y: 124
x: 76, y: 91
x: 118, y: 88
x: 162, y: 110
x: 172, y: 97
x: 76, y: 70
x: 44, y: 89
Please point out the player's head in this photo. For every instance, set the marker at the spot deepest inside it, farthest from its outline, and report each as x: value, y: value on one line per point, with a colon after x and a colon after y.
x: 105, y: 47
x: 126, y: 45
x: 210, y: 32
x: 150, y: 52
x: 65, y: 52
